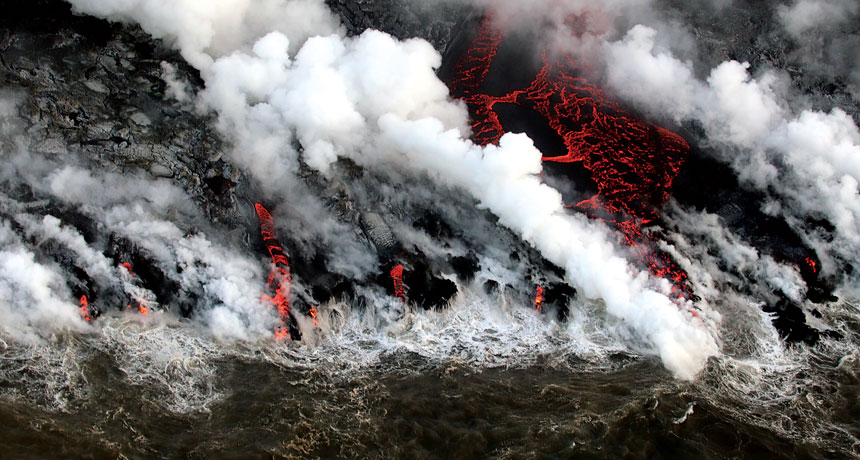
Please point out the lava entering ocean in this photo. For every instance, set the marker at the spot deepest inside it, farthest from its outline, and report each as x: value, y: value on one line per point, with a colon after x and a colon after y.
x: 632, y: 162
x: 85, y: 309
x: 397, y: 278
x: 279, y: 281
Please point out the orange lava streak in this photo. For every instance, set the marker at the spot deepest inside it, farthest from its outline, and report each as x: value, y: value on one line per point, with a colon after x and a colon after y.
x: 127, y: 266
x: 85, y: 309
x: 633, y: 163
x: 141, y: 308
x: 538, y: 298
x: 279, y: 282
x: 397, y: 278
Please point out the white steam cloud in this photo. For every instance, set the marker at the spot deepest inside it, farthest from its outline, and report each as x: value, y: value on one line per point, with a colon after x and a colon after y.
x: 34, y: 300
x: 378, y: 100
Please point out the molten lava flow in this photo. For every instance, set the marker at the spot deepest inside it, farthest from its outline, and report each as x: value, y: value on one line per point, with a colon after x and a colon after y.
x: 633, y: 163
x: 811, y: 264
x: 127, y: 266
x: 279, y: 282
x: 397, y: 278
x: 538, y: 298
x: 85, y: 309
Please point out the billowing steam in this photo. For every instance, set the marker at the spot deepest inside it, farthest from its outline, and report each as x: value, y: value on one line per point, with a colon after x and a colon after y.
x: 378, y: 101
x: 34, y: 296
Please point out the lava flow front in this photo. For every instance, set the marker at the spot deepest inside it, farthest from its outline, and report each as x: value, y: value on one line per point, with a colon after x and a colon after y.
x: 397, y: 279
x: 632, y: 163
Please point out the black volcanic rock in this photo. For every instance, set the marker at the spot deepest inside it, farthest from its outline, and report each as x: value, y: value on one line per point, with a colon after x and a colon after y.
x: 790, y: 320
x: 427, y: 290
x: 465, y: 266
x: 434, y: 225
x: 558, y: 296
x: 491, y: 286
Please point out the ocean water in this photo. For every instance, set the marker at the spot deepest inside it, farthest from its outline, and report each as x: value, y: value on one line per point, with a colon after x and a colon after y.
x: 481, y: 381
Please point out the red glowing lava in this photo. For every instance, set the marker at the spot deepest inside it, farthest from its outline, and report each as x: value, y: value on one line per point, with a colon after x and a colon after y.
x: 632, y: 162
x: 397, y: 278
x: 127, y: 266
x: 812, y: 264
x: 313, y: 314
x: 279, y: 282
x: 538, y: 298
x: 141, y: 308
x: 85, y: 309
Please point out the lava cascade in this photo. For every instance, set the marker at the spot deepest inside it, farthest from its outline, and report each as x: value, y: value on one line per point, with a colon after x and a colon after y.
x: 85, y: 309
x: 633, y: 163
x: 279, y: 282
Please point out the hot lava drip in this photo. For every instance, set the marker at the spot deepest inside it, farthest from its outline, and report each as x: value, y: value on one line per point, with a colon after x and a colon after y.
x: 279, y: 282
x: 632, y: 162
